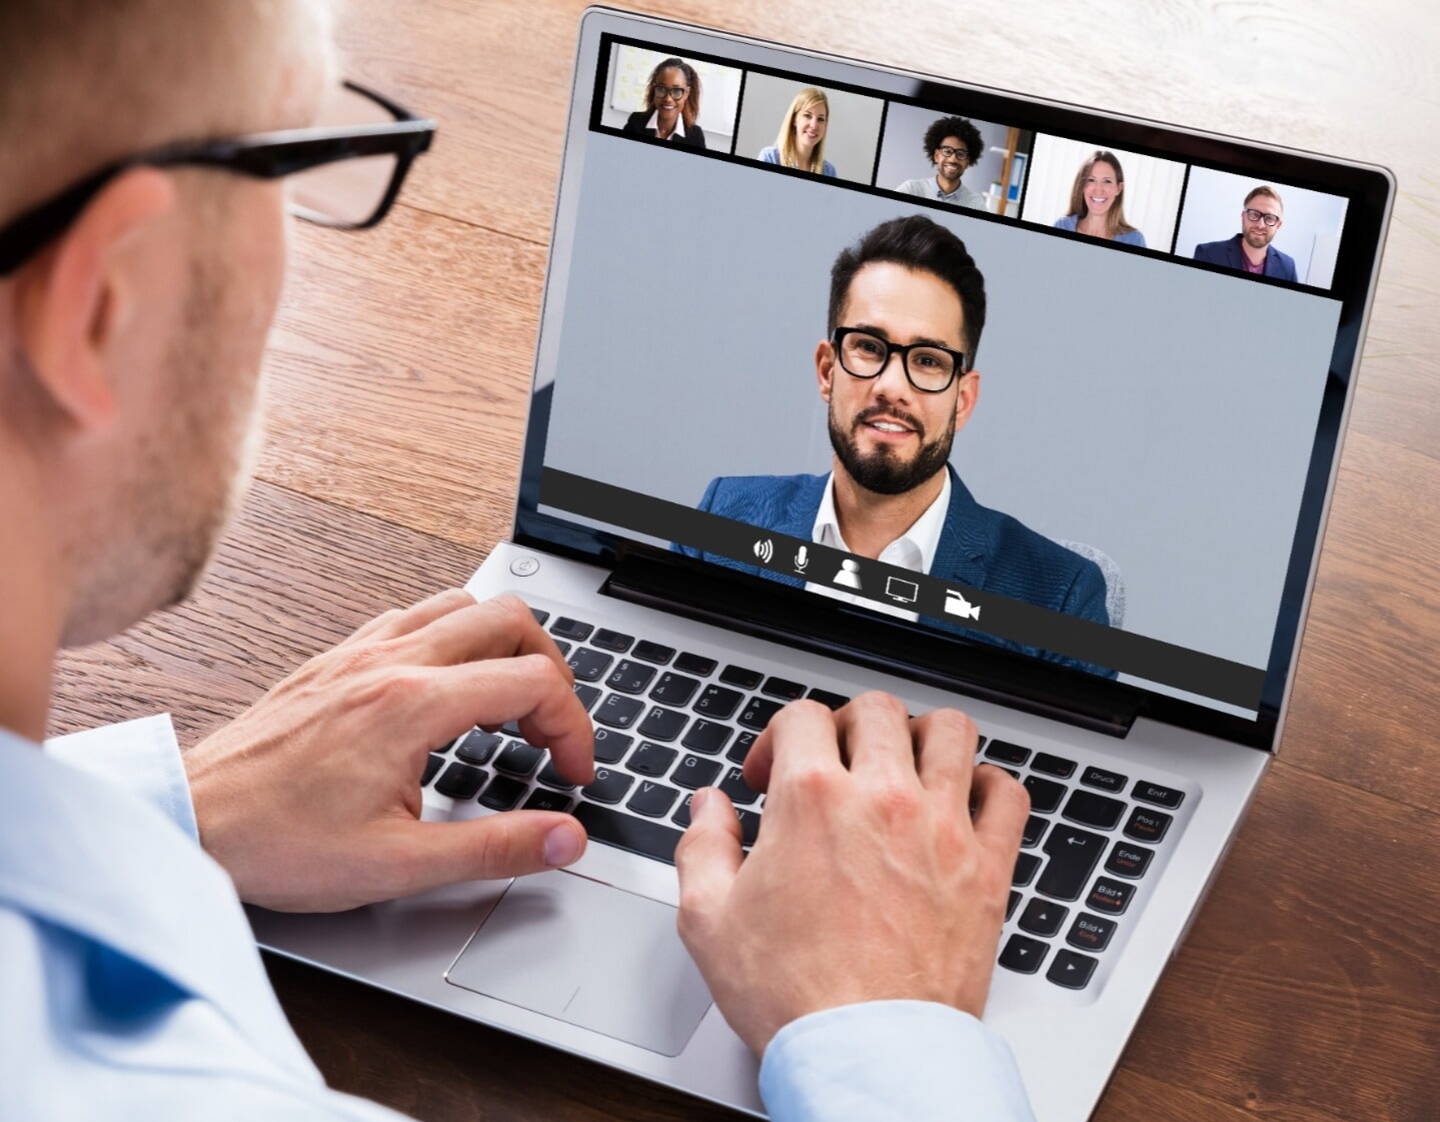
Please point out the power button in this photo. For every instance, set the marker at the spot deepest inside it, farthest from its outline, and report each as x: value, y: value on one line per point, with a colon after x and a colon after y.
x: 525, y: 566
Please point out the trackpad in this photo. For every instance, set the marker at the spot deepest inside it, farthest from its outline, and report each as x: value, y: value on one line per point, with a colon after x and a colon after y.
x: 590, y: 955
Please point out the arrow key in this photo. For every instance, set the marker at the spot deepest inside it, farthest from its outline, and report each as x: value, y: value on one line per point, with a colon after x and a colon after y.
x: 1043, y: 917
x: 1071, y: 970
x: 1023, y: 955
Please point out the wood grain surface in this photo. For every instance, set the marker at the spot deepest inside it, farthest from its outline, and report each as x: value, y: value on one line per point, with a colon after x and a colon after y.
x: 1307, y: 990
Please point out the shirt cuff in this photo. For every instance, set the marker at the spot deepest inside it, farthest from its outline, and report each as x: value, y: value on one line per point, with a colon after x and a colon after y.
x: 891, y: 1061
x: 142, y: 756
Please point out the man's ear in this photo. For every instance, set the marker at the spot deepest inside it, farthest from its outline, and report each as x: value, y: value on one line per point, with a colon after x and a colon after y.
x: 825, y: 368
x: 75, y: 298
x: 967, y: 397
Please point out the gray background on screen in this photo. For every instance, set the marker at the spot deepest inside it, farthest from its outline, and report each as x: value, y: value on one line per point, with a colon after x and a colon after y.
x: 1128, y: 402
x: 850, y: 140
x: 902, y: 156
x: 1311, y: 232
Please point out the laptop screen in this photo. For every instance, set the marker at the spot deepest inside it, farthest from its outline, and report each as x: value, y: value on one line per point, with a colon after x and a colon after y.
x: 1020, y: 377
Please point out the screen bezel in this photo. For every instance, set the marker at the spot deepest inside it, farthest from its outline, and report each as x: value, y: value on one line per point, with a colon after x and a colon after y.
x: 1368, y: 188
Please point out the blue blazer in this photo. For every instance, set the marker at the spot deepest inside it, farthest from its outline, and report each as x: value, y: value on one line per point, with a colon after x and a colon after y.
x: 979, y: 547
x: 1229, y: 253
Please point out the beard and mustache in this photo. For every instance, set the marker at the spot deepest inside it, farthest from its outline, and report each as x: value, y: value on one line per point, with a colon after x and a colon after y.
x: 883, y: 470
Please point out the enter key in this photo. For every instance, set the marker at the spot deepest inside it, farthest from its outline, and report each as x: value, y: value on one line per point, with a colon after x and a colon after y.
x: 1073, y: 856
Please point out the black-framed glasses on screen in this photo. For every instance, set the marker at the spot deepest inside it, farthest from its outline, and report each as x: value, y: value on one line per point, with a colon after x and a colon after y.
x: 1260, y: 216
x: 947, y: 151
x: 347, y: 172
x: 930, y: 368
x: 673, y: 92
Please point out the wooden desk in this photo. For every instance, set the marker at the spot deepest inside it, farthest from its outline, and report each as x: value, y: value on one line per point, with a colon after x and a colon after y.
x: 1308, y: 989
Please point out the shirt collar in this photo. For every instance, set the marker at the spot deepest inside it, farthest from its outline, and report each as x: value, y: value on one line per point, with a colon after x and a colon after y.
x: 914, y: 549
x: 653, y: 124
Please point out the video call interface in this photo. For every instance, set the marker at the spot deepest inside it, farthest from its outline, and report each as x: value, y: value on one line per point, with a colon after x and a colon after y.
x: 1029, y: 391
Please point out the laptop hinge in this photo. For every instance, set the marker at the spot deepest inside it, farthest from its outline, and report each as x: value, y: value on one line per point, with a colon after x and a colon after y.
x: 988, y: 673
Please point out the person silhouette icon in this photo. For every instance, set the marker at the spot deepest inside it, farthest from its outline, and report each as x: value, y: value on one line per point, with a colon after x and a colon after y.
x: 849, y: 574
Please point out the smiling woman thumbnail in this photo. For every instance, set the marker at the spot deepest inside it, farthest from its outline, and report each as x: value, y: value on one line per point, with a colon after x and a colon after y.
x: 672, y: 106
x: 1097, y: 205
x: 801, y: 140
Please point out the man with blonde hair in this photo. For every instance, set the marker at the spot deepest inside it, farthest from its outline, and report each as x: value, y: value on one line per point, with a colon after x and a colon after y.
x: 1250, y: 251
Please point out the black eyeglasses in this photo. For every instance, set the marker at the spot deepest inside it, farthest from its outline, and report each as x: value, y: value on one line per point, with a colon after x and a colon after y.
x: 677, y: 92
x: 928, y: 367
x: 349, y: 175
x: 1260, y: 216
x: 946, y: 150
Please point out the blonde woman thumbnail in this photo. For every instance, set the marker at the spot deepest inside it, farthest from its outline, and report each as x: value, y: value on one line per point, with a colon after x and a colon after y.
x: 801, y: 141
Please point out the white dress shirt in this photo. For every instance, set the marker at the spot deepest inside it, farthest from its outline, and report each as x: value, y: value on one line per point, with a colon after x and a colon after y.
x: 653, y: 124
x: 131, y: 987
x: 914, y: 549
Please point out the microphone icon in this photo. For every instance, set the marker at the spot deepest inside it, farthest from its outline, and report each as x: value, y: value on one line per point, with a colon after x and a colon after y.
x: 802, y: 559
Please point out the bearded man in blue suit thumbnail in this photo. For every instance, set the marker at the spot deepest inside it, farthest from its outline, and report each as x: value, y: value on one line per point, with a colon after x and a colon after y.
x: 896, y: 372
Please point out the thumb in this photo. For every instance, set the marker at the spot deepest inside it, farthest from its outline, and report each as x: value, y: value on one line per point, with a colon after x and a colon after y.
x: 486, y: 848
x: 708, y: 856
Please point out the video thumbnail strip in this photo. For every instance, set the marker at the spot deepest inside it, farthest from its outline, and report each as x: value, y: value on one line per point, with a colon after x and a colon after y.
x: 1152, y: 659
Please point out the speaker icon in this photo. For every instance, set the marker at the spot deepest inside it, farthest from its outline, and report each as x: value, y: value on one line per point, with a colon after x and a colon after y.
x: 765, y: 550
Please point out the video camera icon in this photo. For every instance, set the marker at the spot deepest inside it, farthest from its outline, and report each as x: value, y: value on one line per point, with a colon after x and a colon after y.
x: 957, y: 605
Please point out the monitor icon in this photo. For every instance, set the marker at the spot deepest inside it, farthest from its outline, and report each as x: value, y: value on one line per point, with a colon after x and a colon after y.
x: 957, y: 605
x: 906, y: 591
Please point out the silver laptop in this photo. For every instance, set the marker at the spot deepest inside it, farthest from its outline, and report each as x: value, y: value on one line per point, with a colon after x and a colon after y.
x: 1114, y: 588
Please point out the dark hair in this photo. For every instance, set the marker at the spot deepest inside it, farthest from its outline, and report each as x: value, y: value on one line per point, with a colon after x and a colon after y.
x: 955, y: 126
x: 690, y: 109
x: 917, y: 243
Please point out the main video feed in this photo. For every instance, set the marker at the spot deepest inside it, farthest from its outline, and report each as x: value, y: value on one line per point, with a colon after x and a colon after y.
x: 1098, y: 436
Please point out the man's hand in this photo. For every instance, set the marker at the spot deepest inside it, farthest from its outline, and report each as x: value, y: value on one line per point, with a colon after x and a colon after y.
x: 871, y: 879
x: 310, y: 799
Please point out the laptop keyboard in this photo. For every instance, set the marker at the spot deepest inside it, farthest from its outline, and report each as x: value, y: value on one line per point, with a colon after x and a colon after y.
x: 669, y: 721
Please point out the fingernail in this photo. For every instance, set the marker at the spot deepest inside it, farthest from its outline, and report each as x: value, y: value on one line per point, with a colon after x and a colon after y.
x: 698, y: 803
x: 562, y: 846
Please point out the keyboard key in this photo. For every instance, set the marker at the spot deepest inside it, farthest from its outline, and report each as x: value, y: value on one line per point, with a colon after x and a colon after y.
x: 1147, y: 825
x: 1110, y: 896
x: 610, y: 747
x: 1023, y: 954
x: 1045, y: 794
x: 518, y: 758
x: 663, y: 724
x: 588, y: 695
x: 568, y: 628
x: 460, y: 781
x: 741, y: 748
x: 695, y: 772
x: 1007, y: 753
x: 657, y: 653
x: 1026, y: 866
x: 653, y: 800
x: 477, y: 747
x: 608, y: 640
x: 828, y: 699
x: 590, y: 666
x: 1034, y: 830
x: 512, y: 728
x: 502, y: 793
x: 1090, y: 933
x: 609, y: 786
x: 1053, y: 765
x: 718, y: 702
x: 695, y: 664
x: 1128, y: 860
x: 547, y: 800
x: 563, y: 647
x: 1148, y: 792
x: 706, y: 736
x: 619, y: 711
x: 779, y: 687
x: 540, y: 614
x: 1090, y: 809
x: 1071, y: 970
x: 1073, y: 856
x: 433, y: 763
x: 630, y: 677
x: 757, y: 713
x: 1105, y: 780
x: 735, y: 786
x: 1042, y: 917
x: 552, y: 778
x: 649, y: 759
x: 674, y: 690
x: 739, y: 676
x: 749, y: 826
x: 1010, y: 904
x: 625, y: 831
